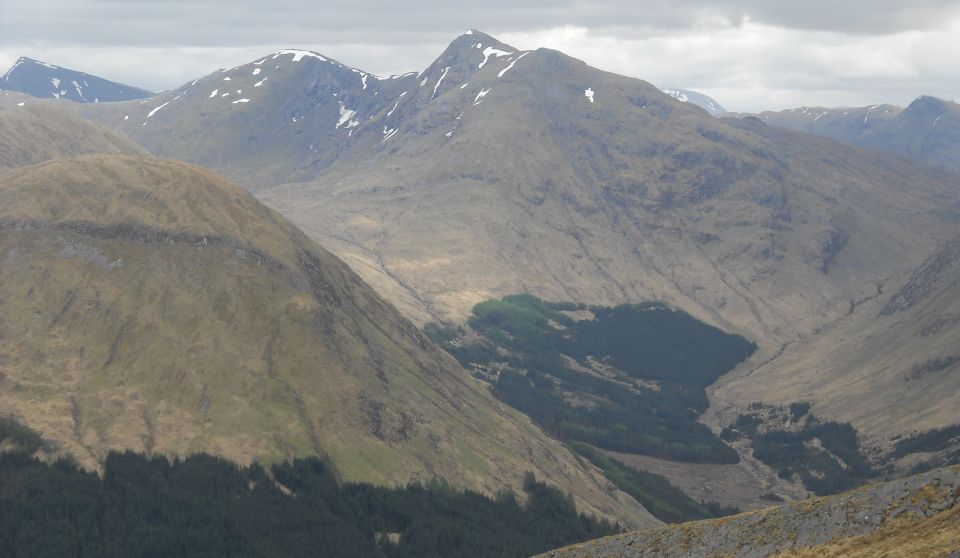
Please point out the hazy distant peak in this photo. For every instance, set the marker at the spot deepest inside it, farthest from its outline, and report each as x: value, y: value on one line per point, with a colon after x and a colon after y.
x: 44, y: 81
x: 699, y: 99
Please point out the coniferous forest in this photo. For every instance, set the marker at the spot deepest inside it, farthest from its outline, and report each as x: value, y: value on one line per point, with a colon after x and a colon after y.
x: 207, y: 506
x: 665, y: 359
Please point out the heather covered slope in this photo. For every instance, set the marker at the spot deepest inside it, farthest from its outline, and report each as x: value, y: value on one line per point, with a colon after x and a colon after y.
x: 152, y: 305
x: 914, y: 516
x: 32, y: 132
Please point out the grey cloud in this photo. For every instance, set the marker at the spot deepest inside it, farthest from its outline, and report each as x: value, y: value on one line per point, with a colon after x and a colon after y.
x: 245, y: 22
x: 749, y: 54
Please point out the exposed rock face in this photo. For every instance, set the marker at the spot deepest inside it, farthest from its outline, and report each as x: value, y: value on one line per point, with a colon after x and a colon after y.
x: 816, y: 526
x: 939, y: 269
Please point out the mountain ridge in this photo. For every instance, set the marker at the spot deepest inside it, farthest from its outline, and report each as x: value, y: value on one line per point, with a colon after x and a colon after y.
x: 697, y: 98
x: 43, y: 80
x: 926, y: 130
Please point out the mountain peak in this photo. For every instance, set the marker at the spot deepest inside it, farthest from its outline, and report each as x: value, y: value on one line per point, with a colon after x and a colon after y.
x: 925, y: 109
x: 474, y: 44
x: 924, y: 102
x: 43, y: 80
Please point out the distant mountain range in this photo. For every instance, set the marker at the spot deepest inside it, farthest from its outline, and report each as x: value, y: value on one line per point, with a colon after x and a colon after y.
x: 45, y: 81
x: 927, y: 130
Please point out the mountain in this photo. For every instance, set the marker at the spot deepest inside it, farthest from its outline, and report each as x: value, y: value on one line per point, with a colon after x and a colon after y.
x: 279, y: 118
x: 927, y: 130
x: 699, y: 99
x: 497, y: 171
x: 44, y: 81
x: 152, y: 305
x: 916, y: 516
x: 890, y: 362
x: 31, y: 133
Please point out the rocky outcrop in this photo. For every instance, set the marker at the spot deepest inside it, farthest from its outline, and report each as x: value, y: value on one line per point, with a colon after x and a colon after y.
x: 925, y: 279
x: 803, y: 525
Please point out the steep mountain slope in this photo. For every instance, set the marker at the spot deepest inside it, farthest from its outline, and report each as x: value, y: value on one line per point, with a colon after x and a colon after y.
x: 893, y: 364
x: 916, y: 516
x: 152, y: 305
x: 45, y: 81
x: 697, y: 98
x: 928, y: 130
x: 31, y: 133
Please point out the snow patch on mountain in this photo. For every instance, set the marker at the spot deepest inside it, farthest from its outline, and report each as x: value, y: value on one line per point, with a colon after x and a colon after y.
x: 490, y: 51
x: 395, y: 105
x: 439, y: 81
x: 504, y: 71
x: 480, y: 96
x: 154, y: 111
x: 588, y: 93
x: 346, y: 117
x: 299, y: 55
x: 693, y: 97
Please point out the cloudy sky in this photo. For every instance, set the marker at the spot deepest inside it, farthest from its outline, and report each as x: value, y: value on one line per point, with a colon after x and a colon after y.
x: 750, y: 55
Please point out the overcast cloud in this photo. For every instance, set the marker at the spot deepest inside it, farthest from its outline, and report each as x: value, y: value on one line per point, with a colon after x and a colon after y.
x: 749, y: 55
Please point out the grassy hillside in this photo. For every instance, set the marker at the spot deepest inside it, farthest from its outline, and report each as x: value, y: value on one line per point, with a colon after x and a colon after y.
x: 151, y: 305
x: 35, y: 132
